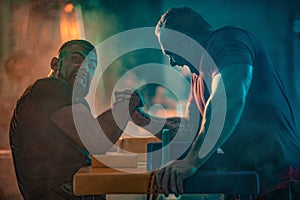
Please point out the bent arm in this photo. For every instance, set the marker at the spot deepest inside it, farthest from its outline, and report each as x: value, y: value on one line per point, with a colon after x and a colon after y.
x: 97, y: 135
x: 177, y: 125
x: 222, y: 111
x: 155, y: 124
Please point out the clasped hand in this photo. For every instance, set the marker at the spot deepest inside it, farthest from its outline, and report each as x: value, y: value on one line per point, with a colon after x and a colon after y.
x: 133, y: 97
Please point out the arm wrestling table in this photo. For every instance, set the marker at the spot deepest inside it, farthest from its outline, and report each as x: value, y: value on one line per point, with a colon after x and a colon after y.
x: 95, y: 181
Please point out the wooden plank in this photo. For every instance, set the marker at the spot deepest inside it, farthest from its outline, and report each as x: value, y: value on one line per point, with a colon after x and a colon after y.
x: 89, y: 181
x: 115, y: 160
x: 135, y: 144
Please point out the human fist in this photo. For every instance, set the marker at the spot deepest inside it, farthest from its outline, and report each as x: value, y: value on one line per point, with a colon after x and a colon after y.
x: 134, y: 97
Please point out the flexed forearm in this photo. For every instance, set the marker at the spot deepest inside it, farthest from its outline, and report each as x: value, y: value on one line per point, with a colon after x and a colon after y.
x: 112, y: 129
x: 155, y: 124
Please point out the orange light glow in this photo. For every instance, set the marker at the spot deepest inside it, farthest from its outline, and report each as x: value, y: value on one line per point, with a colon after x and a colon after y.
x: 71, y: 24
x: 69, y: 28
x: 68, y: 8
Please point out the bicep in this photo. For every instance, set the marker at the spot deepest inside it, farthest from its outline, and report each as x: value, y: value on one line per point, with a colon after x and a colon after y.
x: 78, y: 124
x: 236, y: 80
x: 228, y: 96
x: 193, y: 115
x: 63, y: 119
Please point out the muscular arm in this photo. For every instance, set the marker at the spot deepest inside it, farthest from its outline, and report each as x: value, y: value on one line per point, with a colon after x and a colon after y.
x: 155, y: 124
x: 222, y: 112
x: 177, y: 125
x: 97, y: 135
x: 183, y: 127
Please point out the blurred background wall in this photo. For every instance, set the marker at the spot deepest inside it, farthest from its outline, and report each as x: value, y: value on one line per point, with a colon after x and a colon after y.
x: 31, y: 31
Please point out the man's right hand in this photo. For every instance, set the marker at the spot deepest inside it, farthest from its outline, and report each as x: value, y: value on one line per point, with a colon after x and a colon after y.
x: 134, y: 97
x: 136, y: 102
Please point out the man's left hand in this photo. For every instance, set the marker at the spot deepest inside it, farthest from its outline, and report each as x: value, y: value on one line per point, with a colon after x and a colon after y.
x: 170, y: 177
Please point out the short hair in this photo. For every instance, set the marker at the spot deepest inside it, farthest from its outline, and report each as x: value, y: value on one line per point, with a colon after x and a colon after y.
x: 182, y: 19
x: 86, y: 44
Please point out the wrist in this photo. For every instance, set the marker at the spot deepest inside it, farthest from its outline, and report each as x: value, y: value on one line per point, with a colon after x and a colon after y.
x: 139, y: 117
x: 192, y: 161
x: 121, y: 113
x: 191, y: 165
x: 193, y: 170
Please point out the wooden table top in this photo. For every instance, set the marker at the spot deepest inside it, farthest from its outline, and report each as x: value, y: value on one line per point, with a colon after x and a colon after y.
x: 89, y: 181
